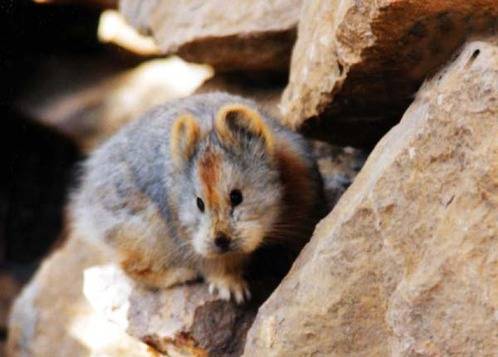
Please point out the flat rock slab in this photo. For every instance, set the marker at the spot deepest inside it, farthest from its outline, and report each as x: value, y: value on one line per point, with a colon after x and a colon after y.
x: 252, y: 35
x: 357, y: 64
x: 185, y: 320
x: 407, y: 262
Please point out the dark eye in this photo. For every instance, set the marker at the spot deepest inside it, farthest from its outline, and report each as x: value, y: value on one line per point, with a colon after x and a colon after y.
x: 235, y: 197
x: 200, y: 204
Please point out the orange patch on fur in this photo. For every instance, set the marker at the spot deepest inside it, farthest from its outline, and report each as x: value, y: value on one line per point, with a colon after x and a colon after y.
x: 185, y: 134
x: 247, y: 118
x: 209, y: 168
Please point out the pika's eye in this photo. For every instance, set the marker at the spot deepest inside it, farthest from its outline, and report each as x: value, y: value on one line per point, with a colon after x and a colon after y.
x: 200, y: 204
x: 235, y: 197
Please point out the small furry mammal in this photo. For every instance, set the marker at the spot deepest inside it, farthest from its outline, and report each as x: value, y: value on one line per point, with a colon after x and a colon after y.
x: 194, y: 188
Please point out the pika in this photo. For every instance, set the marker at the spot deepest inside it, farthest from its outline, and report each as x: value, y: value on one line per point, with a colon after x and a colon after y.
x: 193, y: 188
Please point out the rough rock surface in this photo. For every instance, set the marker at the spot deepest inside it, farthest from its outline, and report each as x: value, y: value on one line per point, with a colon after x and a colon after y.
x: 180, y: 321
x: 357, y: 64
x: 52, y: 318
x: 407, y: 262
x: 247, y: 34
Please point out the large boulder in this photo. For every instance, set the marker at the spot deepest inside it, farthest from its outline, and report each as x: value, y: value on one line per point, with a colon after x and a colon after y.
x: 243, y: 35
x: 407, y: 262
x: 357, y: 64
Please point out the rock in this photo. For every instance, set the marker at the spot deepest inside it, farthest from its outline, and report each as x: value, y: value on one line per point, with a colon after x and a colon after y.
x: 52, y: 318
x: 357, y: 64
x: 89, y: 100
x: 406, y: 264
x: 116, y: 33
x: 185, y: 320
x: 246, y: 35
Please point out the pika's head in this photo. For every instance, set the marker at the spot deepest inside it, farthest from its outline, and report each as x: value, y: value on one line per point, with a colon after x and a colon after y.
x: 232, y: 190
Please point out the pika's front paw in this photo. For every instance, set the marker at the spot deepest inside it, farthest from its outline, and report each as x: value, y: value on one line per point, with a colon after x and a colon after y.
x: 229, y: 286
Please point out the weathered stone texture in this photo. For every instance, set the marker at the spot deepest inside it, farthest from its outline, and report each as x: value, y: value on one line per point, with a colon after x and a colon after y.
x: 357, y: 64
x: 52, y: 318
x: 185, y: 320
x: 407, y: 262
x: 247, y: 35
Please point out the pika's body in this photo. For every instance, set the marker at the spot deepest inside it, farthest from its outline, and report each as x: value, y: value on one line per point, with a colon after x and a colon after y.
x: 194, y: 188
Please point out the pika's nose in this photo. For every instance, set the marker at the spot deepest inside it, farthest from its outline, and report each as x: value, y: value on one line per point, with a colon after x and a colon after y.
x: 222, y: 241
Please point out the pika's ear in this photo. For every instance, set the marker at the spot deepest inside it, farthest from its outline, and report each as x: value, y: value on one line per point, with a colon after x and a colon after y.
x: 234, y: 120
x: 185, y: 135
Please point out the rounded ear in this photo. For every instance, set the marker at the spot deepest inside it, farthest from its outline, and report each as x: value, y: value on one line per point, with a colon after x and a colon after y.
x: 185, y: 135
x: 236, y: 120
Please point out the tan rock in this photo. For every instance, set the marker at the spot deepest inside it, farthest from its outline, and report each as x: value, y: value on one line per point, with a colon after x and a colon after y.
x: 406, y: 264
x: 185, y: 320
x: 246, y: 34
x: 357, y: 64
x: 52, y: 317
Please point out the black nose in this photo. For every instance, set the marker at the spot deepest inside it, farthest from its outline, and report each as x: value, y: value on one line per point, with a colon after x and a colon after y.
x: 222, y: 242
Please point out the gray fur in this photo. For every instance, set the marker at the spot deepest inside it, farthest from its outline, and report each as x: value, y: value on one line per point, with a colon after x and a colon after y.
x: 132, y: 178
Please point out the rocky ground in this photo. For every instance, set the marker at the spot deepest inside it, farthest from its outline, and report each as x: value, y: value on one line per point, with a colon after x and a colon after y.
x: 404, y: 98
